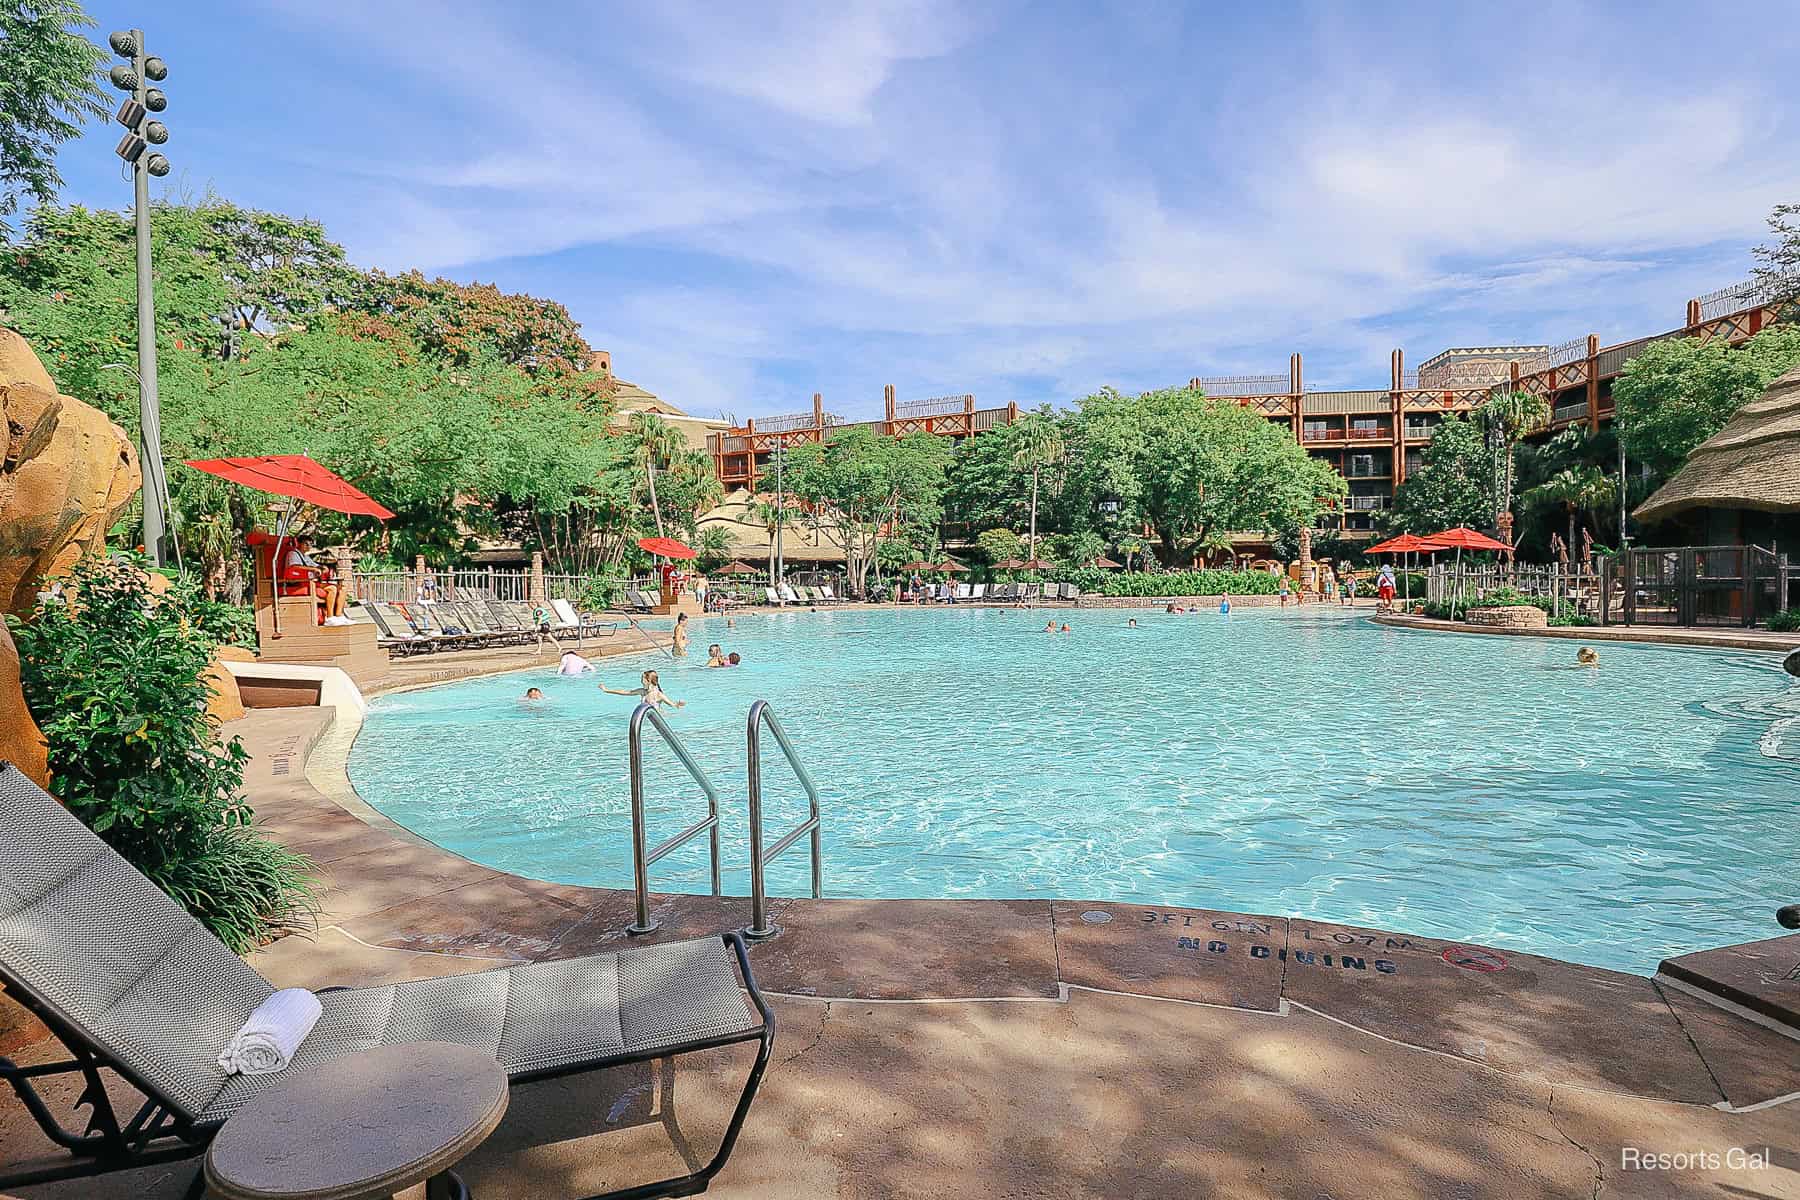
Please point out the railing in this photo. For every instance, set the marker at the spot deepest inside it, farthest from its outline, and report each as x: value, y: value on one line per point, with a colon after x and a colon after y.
x: 761, y: 714
x: 801, y: 420
x: 1227, y: 386
x: 1314, y: 434
x: 461, y: 583
x: 936, y: 406
x: 1570, y: 412
x: 1573, y: 350
x: 1420, y: 433
x: 1365, y: 503
x: 1739, y: 296
x: 640, y: 858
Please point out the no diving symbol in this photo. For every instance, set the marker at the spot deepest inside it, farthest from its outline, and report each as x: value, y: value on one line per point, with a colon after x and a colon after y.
x: 1473, y: 958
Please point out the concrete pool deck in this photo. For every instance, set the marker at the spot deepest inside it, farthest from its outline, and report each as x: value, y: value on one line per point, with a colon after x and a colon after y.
x: 1050, y: 1049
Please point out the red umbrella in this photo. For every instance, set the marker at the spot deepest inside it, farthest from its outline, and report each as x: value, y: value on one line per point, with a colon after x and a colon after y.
x: 667, y: 547
x: 294, y: 475
x: 1463, y: 538
x: 1406, y: 543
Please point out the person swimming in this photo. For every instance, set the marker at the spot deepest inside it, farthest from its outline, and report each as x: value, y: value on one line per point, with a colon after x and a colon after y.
x: 715, y: 656
x: 733, y: 659
x: 573, y: 664
x: 1587, y: 656
x: 679, y: 638
x: 1131, y: 624
x: 650, y: 689
x: 1065, y: 627
x: 534, y: 694
x: 1050, y: 627
x: 1225, y: 606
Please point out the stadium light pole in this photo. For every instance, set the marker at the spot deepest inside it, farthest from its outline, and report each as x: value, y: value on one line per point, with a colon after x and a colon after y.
x: 140, y: 134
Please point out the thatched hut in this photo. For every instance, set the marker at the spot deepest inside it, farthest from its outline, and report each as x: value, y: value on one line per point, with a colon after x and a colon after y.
x: 1742, y: 485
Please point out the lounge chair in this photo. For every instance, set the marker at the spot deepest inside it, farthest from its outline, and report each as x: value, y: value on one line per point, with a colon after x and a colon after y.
x: 964, y: 593
x: 772, y: 598
x: 130, y: 983
x: 831, y: 597
x: 787, y: 594
x: 400, y: 640
x: 978, y: 592
x: 1070, y: 592
x: 582, y: 625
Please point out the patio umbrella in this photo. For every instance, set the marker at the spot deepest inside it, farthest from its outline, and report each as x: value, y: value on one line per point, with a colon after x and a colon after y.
x: 296, y: 476
x: 1103, y: 561
x: 952, y: 566
x: 1459, y: 539
x: 919, y: 565
x: 666, y: 547
x: 1406, y: 543
x: 1009, y: 564
x: 1036, y: 564
x: 737, y: 568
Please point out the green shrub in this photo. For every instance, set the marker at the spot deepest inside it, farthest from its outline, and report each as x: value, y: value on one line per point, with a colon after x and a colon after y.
x: 113, y: 675
x: 226, y: 623
x: 1786, y: 622
x: 600, y: 593
x: 1103, y: 582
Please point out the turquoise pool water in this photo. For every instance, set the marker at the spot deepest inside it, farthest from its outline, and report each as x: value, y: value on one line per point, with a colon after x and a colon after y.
x: 1289, y: 763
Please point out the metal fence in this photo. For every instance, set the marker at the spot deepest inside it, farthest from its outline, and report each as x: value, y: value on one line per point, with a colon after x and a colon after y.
x: 1224, y: 386
x: 1698, y: 585
x: 936, y: 406
x: 1749, y: 294
x: 471, y: 583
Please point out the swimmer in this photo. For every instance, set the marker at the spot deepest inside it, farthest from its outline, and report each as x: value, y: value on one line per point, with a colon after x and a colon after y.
x: 650, y: 690
x: 1131, y: 624
x: 1065, y: 627
x: 733, y: 659
x: 1050, y: 627
x: 533, y: 694
x: 1587, y: 656
x: 1171, y: 608
x: 573, y: 664
x: 730, y: 623
x: 680, y: 636
x: 1225, y: 606
x: 715, y: 656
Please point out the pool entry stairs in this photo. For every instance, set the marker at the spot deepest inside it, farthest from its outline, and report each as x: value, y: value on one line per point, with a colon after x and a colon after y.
x: 762, y: 716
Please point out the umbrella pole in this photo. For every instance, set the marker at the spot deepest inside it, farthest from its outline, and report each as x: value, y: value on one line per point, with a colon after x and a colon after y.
x: 281, y: 527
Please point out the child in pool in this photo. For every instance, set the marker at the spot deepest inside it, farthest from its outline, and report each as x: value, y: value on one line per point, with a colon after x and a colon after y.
x: 650, y: 690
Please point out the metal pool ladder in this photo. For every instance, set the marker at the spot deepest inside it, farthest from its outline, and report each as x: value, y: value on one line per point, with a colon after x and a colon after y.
x: 761, y: 714
x: 641, y: 858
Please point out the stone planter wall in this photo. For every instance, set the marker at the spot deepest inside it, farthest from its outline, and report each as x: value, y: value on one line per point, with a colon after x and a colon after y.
x: 1165, y: 601
x: 1516, y: 616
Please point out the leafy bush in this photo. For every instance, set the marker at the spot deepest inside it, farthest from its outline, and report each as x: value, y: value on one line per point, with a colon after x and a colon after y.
x: 599, y: 593
x: 113, y: 674
x: 1507, y: 597
x: 226, y: 623
x: 1786, y: 622
x: 1103, y: 582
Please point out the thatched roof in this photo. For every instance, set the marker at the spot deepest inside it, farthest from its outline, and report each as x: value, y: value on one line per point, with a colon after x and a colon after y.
x: 802, y: 539
x: 1754, y: 462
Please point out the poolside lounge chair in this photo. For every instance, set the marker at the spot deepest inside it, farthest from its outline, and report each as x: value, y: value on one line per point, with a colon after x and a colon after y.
x: 787, y: 594
x: 130, y: 983
x: 831, y: 597
x: 395, y: 641
x: 978, y: 592
x: 583, y: 624
x: 964, y: 593
x: 771, y: 598
x: 1070, y: 592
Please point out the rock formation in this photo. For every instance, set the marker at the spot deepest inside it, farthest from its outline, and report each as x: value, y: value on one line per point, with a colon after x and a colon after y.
x: 66, y: 472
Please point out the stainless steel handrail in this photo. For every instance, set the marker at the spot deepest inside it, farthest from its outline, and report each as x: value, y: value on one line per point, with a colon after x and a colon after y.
x: 640, y: 859
x: 761, y: 714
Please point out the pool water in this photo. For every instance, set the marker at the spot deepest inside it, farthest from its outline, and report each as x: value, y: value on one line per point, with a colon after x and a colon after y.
x: 1304, y: 763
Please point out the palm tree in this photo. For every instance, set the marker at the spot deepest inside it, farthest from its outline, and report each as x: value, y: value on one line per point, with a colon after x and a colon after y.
x: 1508, y: 417
x: 1037, y: 443
x: 769, y: 513
x: 1579, y: 489
x: 654, y: 440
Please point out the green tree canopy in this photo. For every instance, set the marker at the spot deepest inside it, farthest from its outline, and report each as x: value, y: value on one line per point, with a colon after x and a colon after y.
x: 1681, y: 391
x: 1454, y: 484
x: 49, y: 85
x: 1188, y: 466
x: 876, y: 488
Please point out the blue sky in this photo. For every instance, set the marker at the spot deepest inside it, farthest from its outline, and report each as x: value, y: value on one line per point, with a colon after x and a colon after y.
x: 750, y: 203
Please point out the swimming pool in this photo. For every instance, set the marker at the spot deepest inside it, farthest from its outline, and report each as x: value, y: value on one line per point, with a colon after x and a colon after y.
x: 1297, y: 763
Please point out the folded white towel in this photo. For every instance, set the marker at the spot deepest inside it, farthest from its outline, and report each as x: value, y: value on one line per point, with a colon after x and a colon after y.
x: 272, y: 1035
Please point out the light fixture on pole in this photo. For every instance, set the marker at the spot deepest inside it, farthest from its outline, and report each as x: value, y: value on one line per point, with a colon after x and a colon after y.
x: 134, y: 148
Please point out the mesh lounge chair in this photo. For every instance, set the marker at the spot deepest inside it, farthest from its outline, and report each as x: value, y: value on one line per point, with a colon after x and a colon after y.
x: 130, y: 983
x: 787, y: 594
x: 396, y: 636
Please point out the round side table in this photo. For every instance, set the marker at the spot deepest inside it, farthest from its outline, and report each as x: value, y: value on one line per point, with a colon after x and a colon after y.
x: 362, y: 1127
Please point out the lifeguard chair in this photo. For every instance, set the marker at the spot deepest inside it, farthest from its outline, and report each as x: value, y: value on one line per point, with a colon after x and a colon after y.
x: 287, y: 619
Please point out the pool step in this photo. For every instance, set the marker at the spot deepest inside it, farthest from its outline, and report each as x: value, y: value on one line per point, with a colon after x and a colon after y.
x: 1760, y: 978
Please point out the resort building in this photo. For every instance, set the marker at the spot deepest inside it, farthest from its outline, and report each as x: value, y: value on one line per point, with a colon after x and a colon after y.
x: 630, y: 398
x: 1375, y: 437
